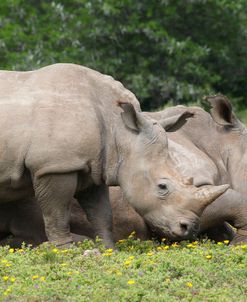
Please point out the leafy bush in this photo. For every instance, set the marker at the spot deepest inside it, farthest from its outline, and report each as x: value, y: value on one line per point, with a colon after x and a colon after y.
x: 163, y: 51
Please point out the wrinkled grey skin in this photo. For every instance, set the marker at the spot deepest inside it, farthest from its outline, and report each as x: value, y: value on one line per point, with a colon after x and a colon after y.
x: 214, y: 148
x: 23, y: 222
x: 63, y: 136
x: 190, y: 160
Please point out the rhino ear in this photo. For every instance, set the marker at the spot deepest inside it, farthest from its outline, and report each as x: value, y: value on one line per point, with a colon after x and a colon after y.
x: 221, y: 111
x: 132, y: 119
x: 175, y: 122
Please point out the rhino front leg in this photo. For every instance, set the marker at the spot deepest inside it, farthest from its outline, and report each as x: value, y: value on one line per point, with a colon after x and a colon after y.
x: 230, y: 207
x: 54, y: 194
x: 95, y: 202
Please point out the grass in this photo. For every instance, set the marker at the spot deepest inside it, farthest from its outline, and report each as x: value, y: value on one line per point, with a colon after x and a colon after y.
x: 139, y: 271
x: 242, y: 115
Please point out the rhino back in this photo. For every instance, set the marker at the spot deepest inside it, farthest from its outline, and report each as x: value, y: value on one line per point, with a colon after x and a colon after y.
x: 55, y: 119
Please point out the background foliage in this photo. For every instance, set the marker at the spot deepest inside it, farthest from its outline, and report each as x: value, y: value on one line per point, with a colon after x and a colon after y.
x: 164, y: 51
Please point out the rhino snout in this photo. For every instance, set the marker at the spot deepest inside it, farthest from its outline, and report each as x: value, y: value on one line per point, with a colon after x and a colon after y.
x: 185, y: 229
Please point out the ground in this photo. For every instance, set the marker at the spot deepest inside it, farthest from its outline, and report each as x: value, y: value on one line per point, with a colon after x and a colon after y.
x: 138, y: 271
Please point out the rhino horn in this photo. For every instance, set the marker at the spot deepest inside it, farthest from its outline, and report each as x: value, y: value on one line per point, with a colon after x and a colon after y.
x: 206, y: 195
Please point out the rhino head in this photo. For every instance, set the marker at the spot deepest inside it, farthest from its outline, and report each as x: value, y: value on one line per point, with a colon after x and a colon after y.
x: 168, y: 203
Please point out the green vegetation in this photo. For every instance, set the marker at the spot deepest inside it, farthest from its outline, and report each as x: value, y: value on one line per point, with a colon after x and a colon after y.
x: 140, y: 271
x: 166, y: 52
x: 242, y: 115
x: 163, y: 51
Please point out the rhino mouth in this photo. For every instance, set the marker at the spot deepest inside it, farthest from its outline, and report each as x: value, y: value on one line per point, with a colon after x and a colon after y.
x: 159, y: 232
x: 175, y: 233
x: 178, y: 237
x: 181, y: 233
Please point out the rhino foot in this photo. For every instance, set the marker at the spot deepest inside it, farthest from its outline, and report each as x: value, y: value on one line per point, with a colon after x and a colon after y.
x: 79, y: 238
x: 75, y: 238
x: 240, y: 237
x: 93, y: 252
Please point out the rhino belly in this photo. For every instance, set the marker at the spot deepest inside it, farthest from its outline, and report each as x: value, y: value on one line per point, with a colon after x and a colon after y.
x: 15, y: 189
x: 8, y: 194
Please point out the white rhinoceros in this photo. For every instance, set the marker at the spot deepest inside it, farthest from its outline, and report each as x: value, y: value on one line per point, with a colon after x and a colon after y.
x: 68, y: 131
x: 212, y: 149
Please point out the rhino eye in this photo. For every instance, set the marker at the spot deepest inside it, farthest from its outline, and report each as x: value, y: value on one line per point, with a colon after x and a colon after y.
x: 163, y: 186
x: 163, y: 189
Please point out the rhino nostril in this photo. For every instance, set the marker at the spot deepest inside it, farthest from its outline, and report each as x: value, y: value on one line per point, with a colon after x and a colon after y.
x: 183, y: 227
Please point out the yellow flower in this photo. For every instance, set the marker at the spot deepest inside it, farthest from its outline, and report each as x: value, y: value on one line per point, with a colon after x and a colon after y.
x: 244, y: 246
x: 189, y: 284
x: 109, y: 250
x: 5, y: 278
x: 131, y: 258
x: 195, y: 242
x: 118, y: 273
x: 64, y: 251
x: 107, y: 254
x: 226, y: 241
x: 175, y: 244
x: 11, y: 251
x: 127, y: 262
x: 150, y: 253
x: 4, y: 261
x: 55, y: 251
x: 159, y: 248
x: 42, y: 278
x: 6, y: 293
x: 209, y: 257
x: 35, y: 277
x: 220, y: 243
x: 69, y: 273
x: 167, y: 280
x: 131, y: 282
x: 166, y: 247
x: 121, y: 240
x: 8, y: 264
x: 20, y: 250
x: 190, y: 245
x: 12, y: 279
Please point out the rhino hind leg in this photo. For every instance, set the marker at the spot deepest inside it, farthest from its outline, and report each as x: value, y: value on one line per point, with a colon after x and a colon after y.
x: 54, y: 194
x: 220, y: 233
x: 95, y: 202
x: 79, y: 223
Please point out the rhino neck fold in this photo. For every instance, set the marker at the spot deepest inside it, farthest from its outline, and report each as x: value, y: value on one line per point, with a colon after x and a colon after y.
x: 112, y: 163
x: 114, y: 152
